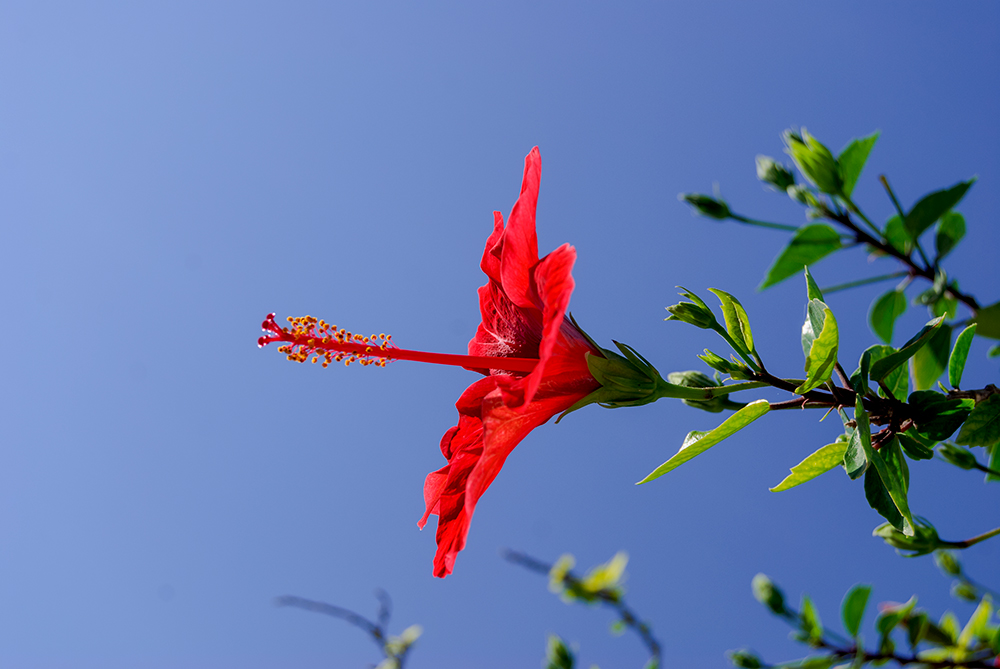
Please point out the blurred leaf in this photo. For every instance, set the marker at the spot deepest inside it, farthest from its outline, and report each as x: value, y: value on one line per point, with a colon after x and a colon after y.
x: 897, y: 235
x: 819, y: 462
x: 881, y: 368
x: 852, y: 160
x: 811, y: 624
x: 892, y: 616
x: 885, y: 311
x: 945, y: 306
x: 822, y: 356
x: 982, y: 428
x: 988, y: 319
x: 557, y: 655
x: 959, y: 355
x: 737, y: 321
x: 933, y: 206
x: 930, y: 361
x: 977, y: 628
x: 810, y: 243
x: 994, y: 463
x: 853, y: 607
x: 699, y: 442
x: 950, y: 230
x: 936, y: 415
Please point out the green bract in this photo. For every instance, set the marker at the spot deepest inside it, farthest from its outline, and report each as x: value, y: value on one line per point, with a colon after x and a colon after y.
x: 815, y: 161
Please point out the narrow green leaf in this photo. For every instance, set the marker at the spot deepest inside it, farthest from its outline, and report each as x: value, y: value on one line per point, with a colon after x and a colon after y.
x: 881, y: 368
x: 853, y: 607
x: 818, y: 462
x: 978, y: 625
x: 737, y: 321
x: 822, y: 356
x: 994, y: 463
x: 988, y: 319
x: 933, y: 206
x: 959, y: 354
x: 885, y: 311
x: 982, y: 427
x: 930, y: 361
x: 856, y: 459
x: 812, y: 290
x: 898, y: 380
x: 810, y: 244
x: 809, y: 618
x: 697, y: 443
x: 891, y: 478
x: 950, y: 231
x: 994, y: 351
x: 852, y: 160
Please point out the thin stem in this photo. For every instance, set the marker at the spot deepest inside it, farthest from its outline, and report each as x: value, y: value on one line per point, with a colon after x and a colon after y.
x: 902, y: 216
x: 763, y: 224
x: 855, y: 209
x: 864, y: 282
x: 983, y: 468
x: 974, y: 540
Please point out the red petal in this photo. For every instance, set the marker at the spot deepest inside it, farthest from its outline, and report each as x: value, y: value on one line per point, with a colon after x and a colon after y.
x: 520, y: 244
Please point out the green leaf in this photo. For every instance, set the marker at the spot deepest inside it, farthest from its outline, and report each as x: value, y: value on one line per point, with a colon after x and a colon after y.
x: 890, y: 473
x: 950, y: 230
x: 853, y: 607
x: 699, y: 442
x: 819, y: 462
x: 885, y: 311
x: 959, y: 354
x: 982, y: 427
x: 930, y: 361
x: 822, y: 356
x: 994, y: 351
x: 810, y: 243
x: 936, y: 415
x: 916, y: 447
x: 811, y: 624
x: 898, y: 380
x: 852, y: 160
x: 994, y: 464
x: 812, y: 290
x: 883, y: 492
x: 933, y: 206
x: 945, y: 306
x: 897, y: 235
x: 737, y: 321
x: 558, y: 655
x: 988, y: 319
x: 881, y: 368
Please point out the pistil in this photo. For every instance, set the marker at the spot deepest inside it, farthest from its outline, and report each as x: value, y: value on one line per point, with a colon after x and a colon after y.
x: 326, y: 343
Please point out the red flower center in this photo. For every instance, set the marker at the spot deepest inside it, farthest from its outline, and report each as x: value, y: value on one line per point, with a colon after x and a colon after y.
x: 327, y: 343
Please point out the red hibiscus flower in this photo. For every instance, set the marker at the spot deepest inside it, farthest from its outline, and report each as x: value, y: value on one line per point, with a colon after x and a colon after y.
x: 523, y: 306
x: 533, y: 357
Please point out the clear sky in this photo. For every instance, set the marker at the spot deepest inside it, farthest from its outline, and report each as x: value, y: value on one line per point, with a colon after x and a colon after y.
x: 171, y: 172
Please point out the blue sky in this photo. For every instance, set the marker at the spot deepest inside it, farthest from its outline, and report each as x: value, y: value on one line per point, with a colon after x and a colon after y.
x: 172, y: 172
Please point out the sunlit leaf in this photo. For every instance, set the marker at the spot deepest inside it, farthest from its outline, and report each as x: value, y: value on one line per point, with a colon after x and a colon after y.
x: 853, y: 607
x: 822, y: 356
x: 697, y: 443
x: 818, y: 462
x: 737, y: 321
x: 881, y: 368
x: 982, y: 427
x: 852, y: 160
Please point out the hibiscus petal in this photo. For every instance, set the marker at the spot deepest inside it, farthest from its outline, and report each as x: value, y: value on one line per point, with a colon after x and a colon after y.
x: 520, y: 244
x: 494, y: 249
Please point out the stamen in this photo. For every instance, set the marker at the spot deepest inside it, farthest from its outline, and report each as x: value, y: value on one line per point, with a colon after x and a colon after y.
x: 326, y: 343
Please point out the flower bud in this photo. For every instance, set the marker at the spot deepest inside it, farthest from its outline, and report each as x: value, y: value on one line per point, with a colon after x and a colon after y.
x: 768, y: 594
x: 948, y: 563
x: 744, y: 658
x: 958, y: 456
x: 692, y: 313
x: 965, y: 591
x: 774, y: 174
x: 924, y: 540
x: 815, y: 161
x: 801, y: 193
x: 707, y: 206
